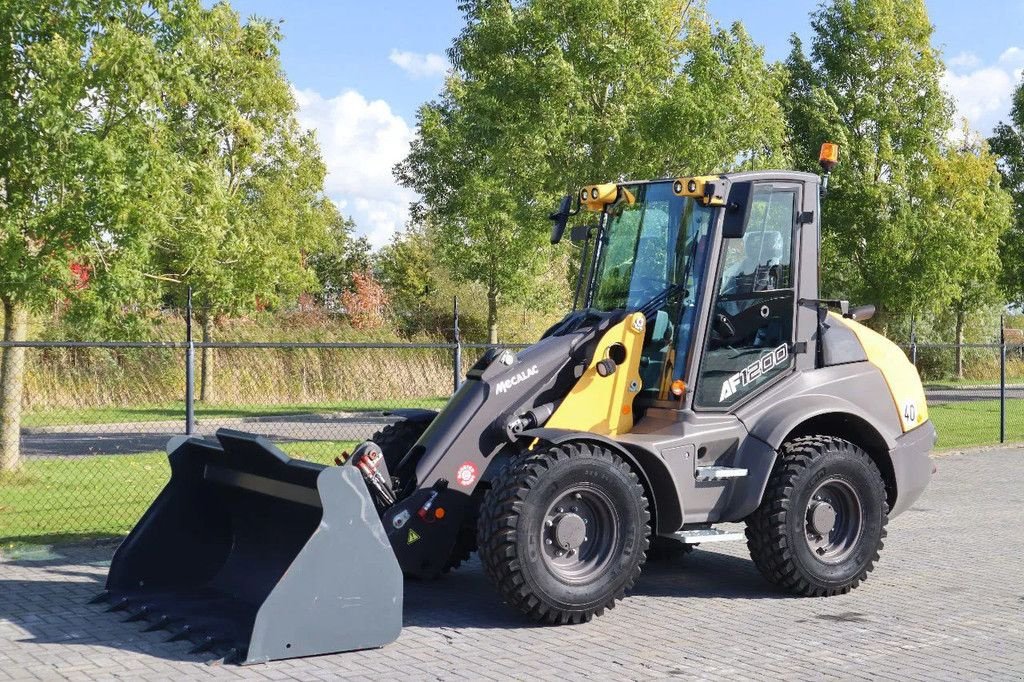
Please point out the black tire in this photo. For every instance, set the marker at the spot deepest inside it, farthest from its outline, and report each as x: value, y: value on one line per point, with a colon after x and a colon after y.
x: 396, y: 439
x: 586, y: 489
x: 811, y: 557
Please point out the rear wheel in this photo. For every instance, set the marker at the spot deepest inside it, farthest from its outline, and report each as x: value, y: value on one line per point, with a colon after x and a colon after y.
x: 820, y: 525
x: 563, y: 533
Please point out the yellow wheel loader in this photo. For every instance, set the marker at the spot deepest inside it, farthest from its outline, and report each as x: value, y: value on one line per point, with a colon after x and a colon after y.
x: 699, y: 379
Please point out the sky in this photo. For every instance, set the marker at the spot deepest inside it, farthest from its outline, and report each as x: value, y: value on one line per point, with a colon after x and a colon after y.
x: 361, y: 69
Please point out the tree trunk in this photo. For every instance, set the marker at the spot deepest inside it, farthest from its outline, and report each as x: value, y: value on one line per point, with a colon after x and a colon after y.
x: 206, y: 360
x: 959, y: 361
x: 12, y: 382
x: 492, y: 314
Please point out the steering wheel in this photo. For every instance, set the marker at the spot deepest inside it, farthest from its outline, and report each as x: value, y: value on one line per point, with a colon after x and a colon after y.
x: 724, y: 328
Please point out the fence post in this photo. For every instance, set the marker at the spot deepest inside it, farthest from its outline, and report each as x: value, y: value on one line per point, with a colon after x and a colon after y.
x: 457, y: 360
x: 1002, y: 380
x: 190, y: 368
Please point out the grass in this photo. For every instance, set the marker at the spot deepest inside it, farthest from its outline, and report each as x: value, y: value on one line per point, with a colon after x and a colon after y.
x: 98, y: 496
x: 968, y: 424
x: 176, y: 411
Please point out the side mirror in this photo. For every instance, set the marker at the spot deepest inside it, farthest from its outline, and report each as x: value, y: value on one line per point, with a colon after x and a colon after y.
x: 560, y: 218
x: 737, y: 210
x: 862, y: 313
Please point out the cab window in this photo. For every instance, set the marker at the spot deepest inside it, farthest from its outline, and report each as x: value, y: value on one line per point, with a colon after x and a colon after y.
x: 751, y: 328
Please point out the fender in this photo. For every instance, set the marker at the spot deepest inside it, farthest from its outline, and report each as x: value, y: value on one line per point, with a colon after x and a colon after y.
x: 653, y: 474
x: 773, y: 425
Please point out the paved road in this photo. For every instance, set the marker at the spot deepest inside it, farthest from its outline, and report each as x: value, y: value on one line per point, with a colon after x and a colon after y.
x: 76, y: 440
x: 946, y: 602
x: 971, y: 393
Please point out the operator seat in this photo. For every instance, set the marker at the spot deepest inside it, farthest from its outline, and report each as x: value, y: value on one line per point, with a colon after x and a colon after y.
x: 759, y: 269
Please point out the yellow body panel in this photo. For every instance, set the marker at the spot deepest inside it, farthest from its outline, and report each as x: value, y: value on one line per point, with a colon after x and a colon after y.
x: 900, y: 374
x: 604, y: 405
x: 595, y: 197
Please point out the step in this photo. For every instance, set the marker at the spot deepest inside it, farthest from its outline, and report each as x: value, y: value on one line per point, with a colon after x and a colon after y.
x: 718, y: 473
x: 699, y: 535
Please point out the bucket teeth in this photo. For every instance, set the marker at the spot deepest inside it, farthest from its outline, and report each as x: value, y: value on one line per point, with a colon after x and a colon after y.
x: 100, y: 598
x: 141, y: 614
x: 159, y: 624
x: 120, y: 605
x: 205, y: 644
x: 184, y: 633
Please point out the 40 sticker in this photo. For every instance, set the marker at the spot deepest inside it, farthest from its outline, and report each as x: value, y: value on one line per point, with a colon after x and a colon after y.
x: 465, y: 475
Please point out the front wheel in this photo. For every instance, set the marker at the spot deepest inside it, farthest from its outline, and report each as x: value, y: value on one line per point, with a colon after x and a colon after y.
x: 820, y: 525
x: 563, y: 533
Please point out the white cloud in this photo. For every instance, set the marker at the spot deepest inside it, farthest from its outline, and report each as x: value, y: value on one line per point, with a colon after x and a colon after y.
x: 361, y: 141
x: 983, y: 94
x: 965, y: 60
x: 417, y: 65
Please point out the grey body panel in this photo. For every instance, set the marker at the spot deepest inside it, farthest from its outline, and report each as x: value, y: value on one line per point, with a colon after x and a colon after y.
x: 684, y: 440
x: 324, y: 603
x: 912, y: 465
x: 839, y: 345
x: 857, y: 389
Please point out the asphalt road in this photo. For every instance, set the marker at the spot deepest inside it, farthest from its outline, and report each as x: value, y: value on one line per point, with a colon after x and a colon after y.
x: 945, y: 602
x: 77, y: 440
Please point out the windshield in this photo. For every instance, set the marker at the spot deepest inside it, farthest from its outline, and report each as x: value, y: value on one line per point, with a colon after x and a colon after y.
x: 657, y: 244
x: 647, y: 245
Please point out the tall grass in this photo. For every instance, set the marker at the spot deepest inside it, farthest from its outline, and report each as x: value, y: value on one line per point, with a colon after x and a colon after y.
x: 74, y: 378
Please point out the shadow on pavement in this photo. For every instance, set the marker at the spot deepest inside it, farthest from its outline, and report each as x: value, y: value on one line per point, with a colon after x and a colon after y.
x: 465, y: 599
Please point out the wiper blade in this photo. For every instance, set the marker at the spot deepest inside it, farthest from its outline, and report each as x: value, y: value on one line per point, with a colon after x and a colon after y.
x: 654, y: 304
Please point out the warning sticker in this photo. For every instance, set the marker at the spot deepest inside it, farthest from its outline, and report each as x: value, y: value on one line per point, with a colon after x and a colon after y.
x: 413, y: 537
x: 465, y: 475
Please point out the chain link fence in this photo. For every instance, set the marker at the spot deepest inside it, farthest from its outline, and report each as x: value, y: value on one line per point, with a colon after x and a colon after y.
x: 96, y: 417
x: 975, y: 391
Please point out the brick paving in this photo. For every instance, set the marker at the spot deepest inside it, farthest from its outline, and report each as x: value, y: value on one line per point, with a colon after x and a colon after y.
x: 946, y: 602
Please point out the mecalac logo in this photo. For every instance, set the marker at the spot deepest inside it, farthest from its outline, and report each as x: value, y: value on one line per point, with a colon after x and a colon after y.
x: 519, y: 378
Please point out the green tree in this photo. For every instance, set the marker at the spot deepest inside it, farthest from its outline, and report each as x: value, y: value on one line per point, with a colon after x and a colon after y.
x: 84, y: 179
x: 1008, y: 144
x: 252, y: 206
x: 872, y: 84
x: 547, y: 95
x: 341, y: 255
x: 971, y: 212
x: 407, y: 269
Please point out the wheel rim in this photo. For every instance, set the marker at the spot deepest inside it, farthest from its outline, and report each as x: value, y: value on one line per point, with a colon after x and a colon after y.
x: 579, y: 534
x: 833, y: 521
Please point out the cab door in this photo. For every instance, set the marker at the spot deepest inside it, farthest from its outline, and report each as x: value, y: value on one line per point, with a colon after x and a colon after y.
x: 749, y: 345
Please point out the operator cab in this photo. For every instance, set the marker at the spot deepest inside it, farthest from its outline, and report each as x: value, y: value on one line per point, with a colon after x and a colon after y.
x: 725, y: 244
